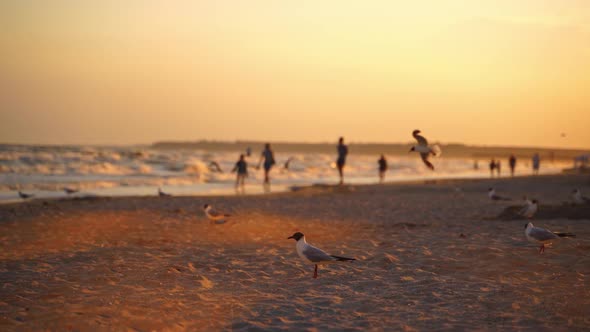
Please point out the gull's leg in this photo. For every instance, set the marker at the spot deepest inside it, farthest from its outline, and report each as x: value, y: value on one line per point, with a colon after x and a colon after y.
x: 542, y: 249
x: 315, y: 272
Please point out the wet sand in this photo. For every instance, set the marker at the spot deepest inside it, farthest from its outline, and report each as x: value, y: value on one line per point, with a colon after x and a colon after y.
x: 437, y: 255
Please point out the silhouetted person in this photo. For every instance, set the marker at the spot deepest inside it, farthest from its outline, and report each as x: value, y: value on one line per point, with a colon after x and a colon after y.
x: 498, y: 167
x: 475, y: 165
x: 341, y: 161
x: 492, y: 167
x: 269, y: 161
x: 382, y: 168
x: 536, y: 163
x: 242, y: 170
x: 512, y: 164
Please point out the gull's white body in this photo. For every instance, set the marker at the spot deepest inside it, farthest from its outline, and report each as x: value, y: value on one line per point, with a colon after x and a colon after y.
x: 304, y: 249
x: 214, y: 215
x: 538, y: 234
x: 529, y: 209
x: 578, y: 198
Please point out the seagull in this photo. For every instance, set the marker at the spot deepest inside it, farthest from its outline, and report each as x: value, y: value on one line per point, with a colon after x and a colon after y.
x: 214, y: 167
x: 425, y: 150
x: 578, y: 198
x: 313, y: 255
x: 214, y: 215
x: 24, y: 195
x: 542, y: 235
x: 163, y: 194
x: 70, y: 191
x: 286, y: 166
x: 492, y: 195
x: 529, y: 209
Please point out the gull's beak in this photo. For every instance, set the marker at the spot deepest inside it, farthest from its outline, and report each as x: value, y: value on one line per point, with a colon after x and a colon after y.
x: 290, y: 237
x: 410, y: 151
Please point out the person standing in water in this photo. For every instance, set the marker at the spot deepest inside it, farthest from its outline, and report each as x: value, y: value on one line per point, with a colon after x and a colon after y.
x: 536, y: 164
x: 382, y: 168
x: 269, y: 161
x: 242, y: 172
x: 512, y: 163
x: 341, y: 161
x: 492, y: 167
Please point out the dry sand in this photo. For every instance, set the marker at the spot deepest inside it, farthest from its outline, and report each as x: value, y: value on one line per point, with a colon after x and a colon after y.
x: 157, y: 264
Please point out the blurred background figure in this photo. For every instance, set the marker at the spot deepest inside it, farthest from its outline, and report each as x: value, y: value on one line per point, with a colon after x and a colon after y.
x: 536, y: 163
x: 341, y: 161
x: 269, y: 161
x: 492, y: 167
x: 498, y: 167
x: 512, y: 164
x: 382, y: 168
x: 242, y: 172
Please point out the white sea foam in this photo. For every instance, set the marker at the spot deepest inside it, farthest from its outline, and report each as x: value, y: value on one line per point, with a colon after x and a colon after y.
x: 87, y: 168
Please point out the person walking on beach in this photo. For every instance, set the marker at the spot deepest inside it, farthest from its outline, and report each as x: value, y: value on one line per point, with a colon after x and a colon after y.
x: 382, y: 168
x: 269, y: 161
x: 512, y: 164
x: 536, y: 164
x: 498, y: 167
x: 341, y: 161
x: 242, y: 172
x: 492, y: 167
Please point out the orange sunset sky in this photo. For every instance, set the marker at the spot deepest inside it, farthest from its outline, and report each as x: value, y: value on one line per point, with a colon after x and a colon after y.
x: 123, y: 72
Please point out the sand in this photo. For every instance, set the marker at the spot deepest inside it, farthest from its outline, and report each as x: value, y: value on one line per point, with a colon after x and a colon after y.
x: 436, y: 255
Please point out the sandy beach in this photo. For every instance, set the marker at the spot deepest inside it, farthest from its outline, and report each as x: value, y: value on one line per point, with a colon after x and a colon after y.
x: 437, y: 255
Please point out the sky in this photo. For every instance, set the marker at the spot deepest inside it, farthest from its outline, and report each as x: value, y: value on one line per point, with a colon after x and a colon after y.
x: 497, y: 72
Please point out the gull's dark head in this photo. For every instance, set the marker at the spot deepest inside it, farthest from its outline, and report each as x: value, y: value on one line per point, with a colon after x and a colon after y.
x: 296, y: 236
x: 575, y: 191
x: 527, y: 225
x: 534, y: 201
x: 416, y: 132
x: 206, y: 206
x: 490, y: 189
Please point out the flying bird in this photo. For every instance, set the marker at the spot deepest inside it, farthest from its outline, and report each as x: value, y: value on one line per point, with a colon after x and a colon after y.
x: 494, y: 197
x: 215, y: 216
x: 313, y: 255
x: 24, y: 195
x: 542, y: 235
x: 578, y: 198
x: 425, y: 150
x: 529, y: 209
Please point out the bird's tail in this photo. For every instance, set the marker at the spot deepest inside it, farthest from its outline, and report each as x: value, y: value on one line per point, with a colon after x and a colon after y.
x: 560, y: 234
x: 343, y: 259
x: 435, y: 150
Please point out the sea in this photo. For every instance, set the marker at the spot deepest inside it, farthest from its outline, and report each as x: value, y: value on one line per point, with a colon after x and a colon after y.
x: 140, y: 170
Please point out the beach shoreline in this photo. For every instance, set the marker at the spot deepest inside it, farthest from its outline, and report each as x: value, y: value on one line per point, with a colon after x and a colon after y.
x: 430, y: 255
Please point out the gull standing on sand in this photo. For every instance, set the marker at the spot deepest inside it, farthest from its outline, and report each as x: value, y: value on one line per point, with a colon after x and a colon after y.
x: 70, y: 191
x: 313, y: 255
x: 494, y: 197
x: 163, y: 194
x: 425, y: 150
x: 578, y: 198
x: 215, y: 216
x: 542, y: 235
x: 529, y: 209
x: 24, y: 195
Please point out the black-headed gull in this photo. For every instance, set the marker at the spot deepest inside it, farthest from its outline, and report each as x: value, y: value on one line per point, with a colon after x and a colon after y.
x: 313, y: 255
x: 425, y: 150
x: 542, y: 235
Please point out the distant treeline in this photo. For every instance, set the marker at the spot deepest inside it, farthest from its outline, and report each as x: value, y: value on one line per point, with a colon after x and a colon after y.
x: 449, y: 150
